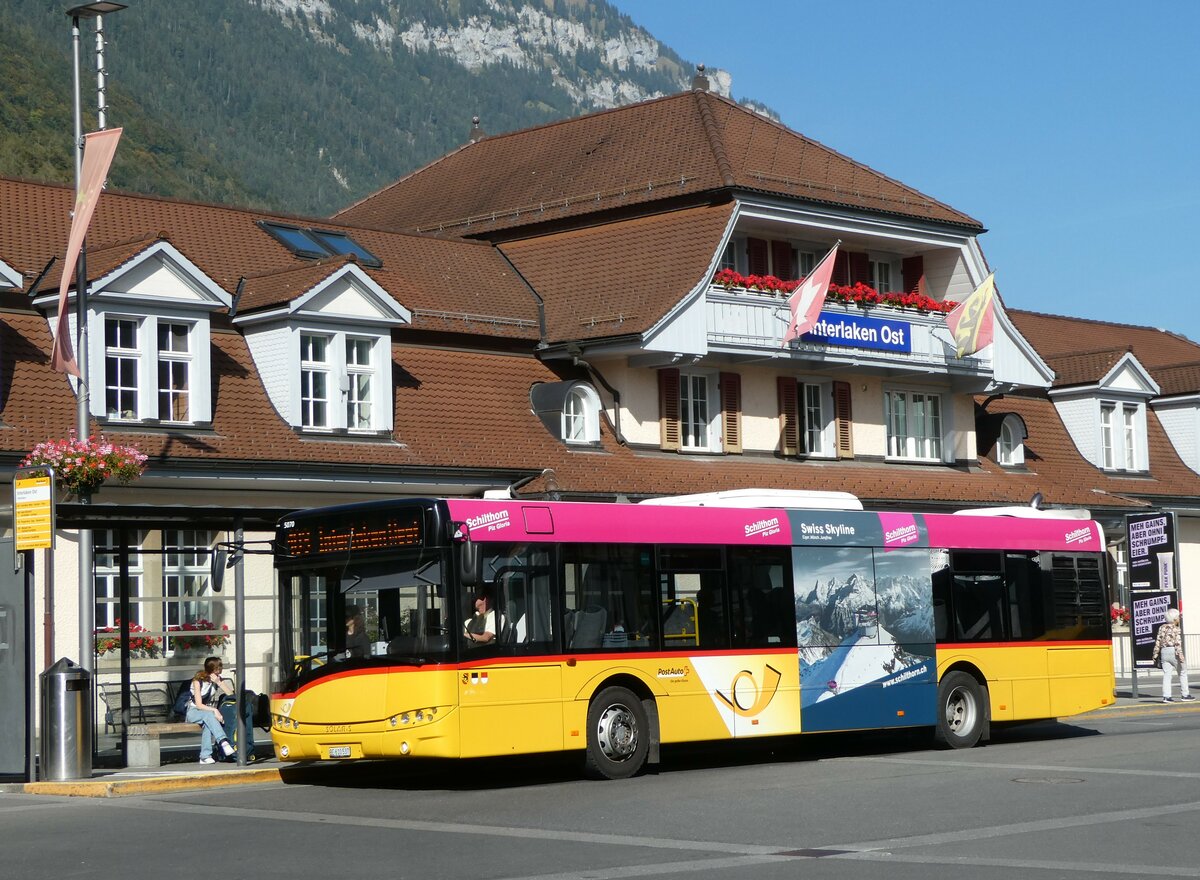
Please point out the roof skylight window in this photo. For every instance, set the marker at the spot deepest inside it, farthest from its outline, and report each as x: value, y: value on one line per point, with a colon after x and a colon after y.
x: 315, y: 244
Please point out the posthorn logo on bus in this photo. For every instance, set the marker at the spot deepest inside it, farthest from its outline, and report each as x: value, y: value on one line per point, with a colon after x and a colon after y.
x: 489, y: 521
x: 1078, y: 536
x: 763, y: 528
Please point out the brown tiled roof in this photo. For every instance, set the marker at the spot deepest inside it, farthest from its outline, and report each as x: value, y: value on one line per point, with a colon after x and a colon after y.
x: 1083, y: 347
x: 1179, y: 379
x: 1084, y: 368
x: 621, y: 277
x: 681, y: 145
x: 283, y: 286
x: 454, y: 285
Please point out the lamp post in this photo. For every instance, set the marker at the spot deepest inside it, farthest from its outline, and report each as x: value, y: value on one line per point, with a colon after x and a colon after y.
x: 96, y: 10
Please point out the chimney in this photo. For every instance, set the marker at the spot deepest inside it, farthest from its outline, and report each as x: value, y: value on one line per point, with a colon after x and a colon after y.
x: 476, y: 134
x: 700, y: 81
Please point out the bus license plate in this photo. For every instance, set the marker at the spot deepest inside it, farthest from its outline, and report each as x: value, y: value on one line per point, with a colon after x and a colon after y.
x: 339, y: 751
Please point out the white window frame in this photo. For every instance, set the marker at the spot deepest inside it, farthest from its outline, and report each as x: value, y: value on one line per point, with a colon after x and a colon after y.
x: 173, y: 359
x: 107, y: 577
x: 927, y: 444
x: 1122, y: 436
x: 148, y: 358
x: 806, y: 261
x: 699, y: 431
x: 881, y: 275
x: 731, y: 256
x: 814, y: 409
x: 186, y: 578
x: 122, y: 354
x: 581, y: 416
x: 360, y: 398
x: 314, y: 372
x: 1010, y: 448
x: 345, y: 379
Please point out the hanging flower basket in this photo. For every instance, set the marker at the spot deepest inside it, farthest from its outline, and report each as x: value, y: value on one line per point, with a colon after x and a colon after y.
x: 83, y: 466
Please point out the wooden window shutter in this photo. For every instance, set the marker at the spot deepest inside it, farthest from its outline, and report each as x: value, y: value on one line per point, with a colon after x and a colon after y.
x: 668, y: 408
x: 860, y: 268
x: 731, y: 411
x: 841, y: 269
x: 756, y: 256
x: 789, y: 417
x: 843, y: 417
x: 913, y: 268
x: 781, y: 260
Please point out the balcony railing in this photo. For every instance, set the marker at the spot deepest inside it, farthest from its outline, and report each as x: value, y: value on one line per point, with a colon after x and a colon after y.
x: 749, y: 321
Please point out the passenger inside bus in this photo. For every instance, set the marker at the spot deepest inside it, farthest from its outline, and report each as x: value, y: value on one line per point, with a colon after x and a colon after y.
x: 357, y: 643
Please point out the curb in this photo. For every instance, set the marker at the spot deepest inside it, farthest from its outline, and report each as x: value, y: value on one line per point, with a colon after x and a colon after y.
x: 108, y: 788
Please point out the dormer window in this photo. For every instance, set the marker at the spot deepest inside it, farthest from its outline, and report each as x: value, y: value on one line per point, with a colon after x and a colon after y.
x: 1010, y: 448
x: 1119, y: 435
x: 581, y: 415
x: 569, y: 410
x: 148, y: 367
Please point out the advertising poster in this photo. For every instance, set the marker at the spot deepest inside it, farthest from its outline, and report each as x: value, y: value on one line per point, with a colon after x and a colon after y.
x: 1152, y: 552
x: 1147, y: 612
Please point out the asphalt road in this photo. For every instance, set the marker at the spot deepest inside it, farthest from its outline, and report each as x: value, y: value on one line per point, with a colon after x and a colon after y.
x: 1110, y: 795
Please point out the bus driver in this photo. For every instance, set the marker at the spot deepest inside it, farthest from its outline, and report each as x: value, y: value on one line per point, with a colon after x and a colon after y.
x: 481, y: 628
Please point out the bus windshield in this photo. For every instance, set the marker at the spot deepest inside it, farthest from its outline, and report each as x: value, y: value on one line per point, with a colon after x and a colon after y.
x: 360, y: 614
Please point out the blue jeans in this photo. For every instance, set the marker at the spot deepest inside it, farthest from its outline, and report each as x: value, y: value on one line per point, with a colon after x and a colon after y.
x: 229, y: 713
x: 211, y: 730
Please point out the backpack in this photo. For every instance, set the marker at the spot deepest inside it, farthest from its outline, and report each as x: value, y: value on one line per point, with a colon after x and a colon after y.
x: 184, y: 699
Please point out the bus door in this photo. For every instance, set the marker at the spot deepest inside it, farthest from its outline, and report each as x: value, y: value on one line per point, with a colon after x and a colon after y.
x: 510, y: 679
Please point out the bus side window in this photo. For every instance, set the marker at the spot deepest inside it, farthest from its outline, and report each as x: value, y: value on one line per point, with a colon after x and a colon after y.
x: 977, y: 586
x: 761, y: 601
x: 608, y: 597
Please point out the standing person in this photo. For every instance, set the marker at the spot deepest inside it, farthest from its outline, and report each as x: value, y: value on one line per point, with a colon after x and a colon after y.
x: 357, y: 643
x: 1169, y: 646
x: 207, y: 687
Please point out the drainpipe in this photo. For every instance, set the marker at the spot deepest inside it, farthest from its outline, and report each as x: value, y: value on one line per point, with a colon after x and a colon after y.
x: 616, y: 395
x: 541, y: 303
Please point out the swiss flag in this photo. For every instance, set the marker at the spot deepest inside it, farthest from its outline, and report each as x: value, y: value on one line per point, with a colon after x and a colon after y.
x: 806, y: 300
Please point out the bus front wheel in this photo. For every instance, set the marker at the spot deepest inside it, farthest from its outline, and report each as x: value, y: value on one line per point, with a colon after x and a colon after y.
x: 962, y: 711
x: 618, y: 735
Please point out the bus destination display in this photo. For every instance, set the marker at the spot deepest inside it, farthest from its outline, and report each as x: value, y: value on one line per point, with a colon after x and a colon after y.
x: 388, y: 531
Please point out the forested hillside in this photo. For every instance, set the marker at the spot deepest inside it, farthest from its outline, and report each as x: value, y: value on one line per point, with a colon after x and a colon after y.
x: 306, y: 105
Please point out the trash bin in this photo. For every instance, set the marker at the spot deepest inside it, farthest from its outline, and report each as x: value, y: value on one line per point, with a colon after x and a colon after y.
x: 66, y: 738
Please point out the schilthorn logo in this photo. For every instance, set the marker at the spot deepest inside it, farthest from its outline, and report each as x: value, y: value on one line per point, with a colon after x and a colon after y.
x: 901, y: 535
x: 1079, y: 536
x: 763, y: 527
x: 497, y: 520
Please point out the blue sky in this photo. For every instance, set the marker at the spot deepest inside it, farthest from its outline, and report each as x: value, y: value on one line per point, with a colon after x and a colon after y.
x: 1070, y: 129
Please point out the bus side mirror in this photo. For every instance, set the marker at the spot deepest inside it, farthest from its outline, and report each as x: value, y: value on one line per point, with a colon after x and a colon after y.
x: 216, y: 569
x: 468, y: 563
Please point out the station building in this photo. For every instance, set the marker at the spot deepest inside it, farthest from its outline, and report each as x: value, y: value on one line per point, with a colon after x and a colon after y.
x: 591, y: 310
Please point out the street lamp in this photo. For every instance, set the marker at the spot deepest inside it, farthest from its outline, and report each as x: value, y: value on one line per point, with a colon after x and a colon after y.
x: 96, y: 10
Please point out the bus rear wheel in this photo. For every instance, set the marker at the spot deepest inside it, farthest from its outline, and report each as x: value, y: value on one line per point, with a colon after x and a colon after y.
x: 618, y: 735
x: 961, y: 711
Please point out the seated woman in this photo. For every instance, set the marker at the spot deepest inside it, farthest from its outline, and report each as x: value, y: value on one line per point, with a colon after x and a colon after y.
x: 207, y: 687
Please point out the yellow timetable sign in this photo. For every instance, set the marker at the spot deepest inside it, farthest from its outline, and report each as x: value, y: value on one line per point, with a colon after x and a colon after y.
x: 33, y: 511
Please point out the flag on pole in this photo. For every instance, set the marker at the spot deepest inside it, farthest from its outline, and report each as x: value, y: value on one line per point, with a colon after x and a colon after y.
x: 973, y: 320
x: 806, y: 300
x: 98, y: 150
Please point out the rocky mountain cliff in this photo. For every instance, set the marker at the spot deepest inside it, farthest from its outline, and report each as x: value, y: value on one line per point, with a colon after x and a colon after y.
x: 307, y: 105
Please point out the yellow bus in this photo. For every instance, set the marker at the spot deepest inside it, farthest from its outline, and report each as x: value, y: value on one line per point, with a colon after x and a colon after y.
x: 456, y: 628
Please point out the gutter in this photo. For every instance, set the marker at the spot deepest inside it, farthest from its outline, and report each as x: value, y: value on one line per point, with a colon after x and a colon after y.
x: 541, y: 303
x: 616, y: 395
